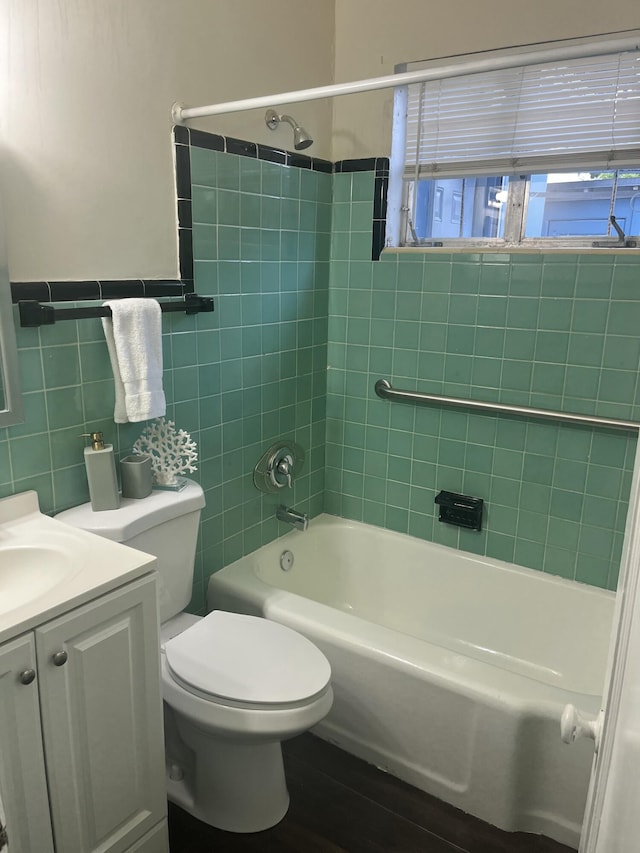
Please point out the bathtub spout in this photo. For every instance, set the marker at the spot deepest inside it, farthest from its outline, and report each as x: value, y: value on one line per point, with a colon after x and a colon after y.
x: 300, y: 520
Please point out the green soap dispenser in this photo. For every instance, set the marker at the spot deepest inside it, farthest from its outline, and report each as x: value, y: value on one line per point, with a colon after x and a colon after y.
x: 101, y: 473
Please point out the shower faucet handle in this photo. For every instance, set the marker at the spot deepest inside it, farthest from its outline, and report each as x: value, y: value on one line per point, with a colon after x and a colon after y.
x: 278, y: 466
x: 283, y: 470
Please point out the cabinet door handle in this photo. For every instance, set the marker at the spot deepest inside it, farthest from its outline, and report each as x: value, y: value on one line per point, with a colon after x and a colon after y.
x: 59, y: 658
x: 26, y: 677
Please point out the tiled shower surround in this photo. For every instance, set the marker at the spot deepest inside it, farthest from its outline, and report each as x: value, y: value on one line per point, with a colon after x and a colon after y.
x: 284, y: 251
x: 237, y: 379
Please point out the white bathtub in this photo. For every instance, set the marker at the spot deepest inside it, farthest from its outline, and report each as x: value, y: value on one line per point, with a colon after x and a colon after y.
x: 449, y: 670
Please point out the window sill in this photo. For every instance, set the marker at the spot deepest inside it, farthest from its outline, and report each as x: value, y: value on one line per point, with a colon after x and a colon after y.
x: 510, y: 250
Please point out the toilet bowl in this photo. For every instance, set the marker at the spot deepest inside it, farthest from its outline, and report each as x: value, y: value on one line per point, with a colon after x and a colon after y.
x: 234, y: 686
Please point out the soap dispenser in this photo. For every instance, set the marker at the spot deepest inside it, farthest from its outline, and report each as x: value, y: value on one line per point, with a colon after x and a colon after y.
x: 101, y: 474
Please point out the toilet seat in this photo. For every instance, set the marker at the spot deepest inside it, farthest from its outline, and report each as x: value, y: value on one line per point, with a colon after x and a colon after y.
x: 246, y: 661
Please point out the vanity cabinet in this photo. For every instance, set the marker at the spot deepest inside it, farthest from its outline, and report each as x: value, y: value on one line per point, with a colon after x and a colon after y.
x: 81, y: 743
x: 22, y: 770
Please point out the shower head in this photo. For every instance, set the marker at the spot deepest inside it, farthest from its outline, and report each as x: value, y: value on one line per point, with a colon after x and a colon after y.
x: 301, y: 138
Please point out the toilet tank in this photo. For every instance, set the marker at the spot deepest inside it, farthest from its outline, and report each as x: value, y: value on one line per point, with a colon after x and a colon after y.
x: 165, y: 525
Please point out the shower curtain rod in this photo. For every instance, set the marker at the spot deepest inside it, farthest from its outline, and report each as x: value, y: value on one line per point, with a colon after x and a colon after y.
x: 181, y: 113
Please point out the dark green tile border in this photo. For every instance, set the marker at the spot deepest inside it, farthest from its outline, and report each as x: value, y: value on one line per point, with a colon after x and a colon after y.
x: 184, y: 137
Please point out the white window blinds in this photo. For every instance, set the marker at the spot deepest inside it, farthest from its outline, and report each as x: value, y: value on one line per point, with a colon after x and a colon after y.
x: 570, y: 114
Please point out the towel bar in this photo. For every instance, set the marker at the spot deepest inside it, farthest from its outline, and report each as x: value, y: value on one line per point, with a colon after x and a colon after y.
x: 34, y: 313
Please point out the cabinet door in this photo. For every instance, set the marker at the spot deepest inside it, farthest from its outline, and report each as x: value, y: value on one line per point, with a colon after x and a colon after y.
x: 102, y: 720
x: 23, y: 785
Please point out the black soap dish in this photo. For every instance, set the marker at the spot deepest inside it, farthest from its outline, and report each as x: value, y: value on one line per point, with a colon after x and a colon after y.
x: 460, y: 510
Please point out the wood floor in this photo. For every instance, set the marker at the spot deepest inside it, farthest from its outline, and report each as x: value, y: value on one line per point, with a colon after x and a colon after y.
x: 340, y: 804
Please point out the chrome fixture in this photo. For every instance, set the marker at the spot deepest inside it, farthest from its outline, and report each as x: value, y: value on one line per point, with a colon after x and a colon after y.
x: 286, y: 561
x: 300, y: 520
x: 301, y: 138
x: 384, y: 390
x: 277, y: 467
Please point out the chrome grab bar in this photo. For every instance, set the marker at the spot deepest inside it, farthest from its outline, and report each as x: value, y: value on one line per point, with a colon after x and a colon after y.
x: 387, y: 392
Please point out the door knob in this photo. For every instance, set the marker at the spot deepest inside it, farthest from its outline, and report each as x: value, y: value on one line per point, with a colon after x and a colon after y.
x: 59, y: 658
x: 27, y: 676
x: 573, y: 725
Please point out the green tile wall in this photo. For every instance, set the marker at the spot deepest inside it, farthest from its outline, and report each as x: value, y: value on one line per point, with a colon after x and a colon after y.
x: 237, y: 379
x: 261, y: 237
x: 555, y: 331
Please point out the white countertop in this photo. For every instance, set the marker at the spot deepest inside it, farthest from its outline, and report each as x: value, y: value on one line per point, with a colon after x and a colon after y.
x: 92, y: 565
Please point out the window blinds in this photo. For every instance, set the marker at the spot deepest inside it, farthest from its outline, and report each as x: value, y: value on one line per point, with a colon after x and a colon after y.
x: 568, y: 115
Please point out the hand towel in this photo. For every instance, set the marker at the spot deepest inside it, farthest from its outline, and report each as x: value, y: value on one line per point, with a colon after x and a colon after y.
x: 134, y: 340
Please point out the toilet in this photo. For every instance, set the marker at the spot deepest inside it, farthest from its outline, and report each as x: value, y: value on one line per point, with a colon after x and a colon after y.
x: 234, y: 686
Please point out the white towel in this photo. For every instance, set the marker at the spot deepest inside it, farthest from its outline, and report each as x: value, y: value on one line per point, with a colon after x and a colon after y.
x: 134, y: 340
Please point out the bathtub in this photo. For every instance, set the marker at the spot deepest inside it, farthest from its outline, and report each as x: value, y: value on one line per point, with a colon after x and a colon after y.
x: 449, y: 670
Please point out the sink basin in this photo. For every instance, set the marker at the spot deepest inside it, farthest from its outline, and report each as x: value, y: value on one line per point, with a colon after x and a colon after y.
x: 48, y: 567
x: 28, y: 571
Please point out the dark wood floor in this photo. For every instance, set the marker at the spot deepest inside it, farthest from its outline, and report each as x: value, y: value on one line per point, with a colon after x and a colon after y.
x: 340, y: 804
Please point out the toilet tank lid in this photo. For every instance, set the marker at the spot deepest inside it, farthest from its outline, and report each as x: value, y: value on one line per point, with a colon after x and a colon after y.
x: 135, y: 516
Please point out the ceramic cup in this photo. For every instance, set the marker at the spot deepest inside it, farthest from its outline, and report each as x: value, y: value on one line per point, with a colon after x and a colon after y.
x: 137, y: 478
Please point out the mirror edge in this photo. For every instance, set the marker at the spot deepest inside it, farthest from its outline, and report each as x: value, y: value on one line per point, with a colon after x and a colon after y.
x: 13, y: 413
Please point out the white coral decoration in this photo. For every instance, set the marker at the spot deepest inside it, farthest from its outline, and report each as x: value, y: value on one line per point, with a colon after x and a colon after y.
x: 172, y: 452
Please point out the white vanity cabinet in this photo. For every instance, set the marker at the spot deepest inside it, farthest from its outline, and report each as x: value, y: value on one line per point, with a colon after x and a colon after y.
x: 92, y: 716
x: 23, y: 784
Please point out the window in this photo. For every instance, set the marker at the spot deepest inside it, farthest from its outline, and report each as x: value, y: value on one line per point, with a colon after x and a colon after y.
x: 527, y: 155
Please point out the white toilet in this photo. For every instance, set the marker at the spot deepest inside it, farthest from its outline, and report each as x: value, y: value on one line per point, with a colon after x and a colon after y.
x: 234, y: 686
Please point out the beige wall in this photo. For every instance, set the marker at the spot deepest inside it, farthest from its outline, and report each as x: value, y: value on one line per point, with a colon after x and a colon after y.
x: 372, y: 36
x: 86, y: 88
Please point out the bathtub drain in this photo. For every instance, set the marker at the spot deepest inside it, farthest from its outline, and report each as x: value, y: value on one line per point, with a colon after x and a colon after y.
x: 286, y: 561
